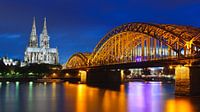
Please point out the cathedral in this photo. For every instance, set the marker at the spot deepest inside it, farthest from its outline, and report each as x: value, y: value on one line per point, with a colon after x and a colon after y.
x: 40, y: 53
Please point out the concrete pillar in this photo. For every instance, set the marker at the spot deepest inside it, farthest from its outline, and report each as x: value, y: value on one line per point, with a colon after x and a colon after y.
x: 187, y: 80
x: 182, y: 80
x: 102, y: 76
x: 122, y: 75
x: 83, y: 75
x: 195, y: 80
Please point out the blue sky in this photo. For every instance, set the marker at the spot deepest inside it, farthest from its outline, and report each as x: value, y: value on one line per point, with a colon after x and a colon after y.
x: 78, y: 25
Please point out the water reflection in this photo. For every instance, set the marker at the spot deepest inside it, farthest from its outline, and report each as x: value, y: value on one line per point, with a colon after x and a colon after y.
x: 81, y: 98
x: 17, y: 91
x: 7, y: 90
x: 147, y: 95
x: 53, y: 89
x: 59, y: 97
x: 0, y: 84
x: 17, y: 98
x: 179, y: 105
x: 30, y: 96
x: 53, y: 92
x: 114, y: 100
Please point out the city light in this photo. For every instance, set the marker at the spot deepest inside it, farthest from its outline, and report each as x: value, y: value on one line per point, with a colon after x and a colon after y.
x: 45, y: 76
x: 67, y: 74
x: 182, y: 72
x: 30, y: 73
x: 45, y: 83
x: 83, y: 75
x: 170, y: 67
x: 100, y: 56
x: 54, y: 74
x: 30, y: 83
x: 17, y: 83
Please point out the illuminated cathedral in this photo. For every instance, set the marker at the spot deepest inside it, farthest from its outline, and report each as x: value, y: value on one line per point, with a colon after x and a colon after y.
x: 40, y: 53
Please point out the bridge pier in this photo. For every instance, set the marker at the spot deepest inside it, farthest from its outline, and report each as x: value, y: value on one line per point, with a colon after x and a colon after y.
x: 83, y: 76
x: 187, y: 80
x: 122, y: 76
x: 103, y: 76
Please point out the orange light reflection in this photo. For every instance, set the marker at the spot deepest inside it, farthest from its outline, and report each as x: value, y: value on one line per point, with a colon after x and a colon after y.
x: 81, y: 99
x: 178, y: 105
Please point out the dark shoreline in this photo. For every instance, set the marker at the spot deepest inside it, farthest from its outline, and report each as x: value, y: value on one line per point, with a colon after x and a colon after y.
x: 18, y: 79
x: 36, y: 79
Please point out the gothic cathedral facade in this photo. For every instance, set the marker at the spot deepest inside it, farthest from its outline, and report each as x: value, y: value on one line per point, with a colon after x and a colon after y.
x: 40, y: 53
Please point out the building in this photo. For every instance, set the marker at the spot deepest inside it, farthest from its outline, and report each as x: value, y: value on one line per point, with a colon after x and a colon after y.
x: 10, y: 62
x: 40, y: 53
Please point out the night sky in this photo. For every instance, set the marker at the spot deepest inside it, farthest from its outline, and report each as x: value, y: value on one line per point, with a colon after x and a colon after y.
x: 77, y: 26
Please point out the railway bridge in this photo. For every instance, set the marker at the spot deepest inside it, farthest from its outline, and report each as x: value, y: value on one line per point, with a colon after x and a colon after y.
x: 140, y: 45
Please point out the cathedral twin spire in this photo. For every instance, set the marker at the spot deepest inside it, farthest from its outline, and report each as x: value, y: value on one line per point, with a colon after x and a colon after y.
x: 44, y: 38
x: 39, y: 51
x: 33, y: 37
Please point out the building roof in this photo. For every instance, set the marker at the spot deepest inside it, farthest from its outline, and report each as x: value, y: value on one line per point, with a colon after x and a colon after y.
x: 51, y: 50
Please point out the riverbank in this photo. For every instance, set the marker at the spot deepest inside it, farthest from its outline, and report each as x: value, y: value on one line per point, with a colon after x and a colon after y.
x: 71, y: 79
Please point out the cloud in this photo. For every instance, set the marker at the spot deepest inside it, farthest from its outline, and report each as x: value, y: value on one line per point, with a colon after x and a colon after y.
x: 10, y: 36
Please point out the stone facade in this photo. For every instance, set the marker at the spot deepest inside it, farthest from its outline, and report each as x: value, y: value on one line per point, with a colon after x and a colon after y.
x: 43, y: 53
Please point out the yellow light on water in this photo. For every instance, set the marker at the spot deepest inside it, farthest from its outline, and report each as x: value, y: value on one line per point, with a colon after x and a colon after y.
x: 81, y: 96
x: 178, y: 105
x: 53, y: 89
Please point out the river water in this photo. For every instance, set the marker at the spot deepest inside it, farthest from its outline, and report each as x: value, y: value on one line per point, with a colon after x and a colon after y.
x: 67, y: 97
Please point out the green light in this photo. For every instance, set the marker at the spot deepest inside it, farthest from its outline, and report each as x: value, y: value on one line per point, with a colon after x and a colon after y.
x: 0, y: 84
x: 17, y: 83
x: 30, y: 73
x: 30, y: 83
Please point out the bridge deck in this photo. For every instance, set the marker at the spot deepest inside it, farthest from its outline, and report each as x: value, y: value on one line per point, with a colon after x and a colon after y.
x: 144, y: 64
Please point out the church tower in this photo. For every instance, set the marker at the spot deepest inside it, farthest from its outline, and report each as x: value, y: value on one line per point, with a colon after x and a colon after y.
x: 44, y: 38
x: 43, y: 53
x: 33, y: 42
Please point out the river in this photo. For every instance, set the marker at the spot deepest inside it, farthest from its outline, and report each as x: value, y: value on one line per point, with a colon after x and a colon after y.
x: 67, y: 97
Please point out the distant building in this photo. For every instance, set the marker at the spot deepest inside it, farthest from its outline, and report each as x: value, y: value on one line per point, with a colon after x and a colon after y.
x: 10, y: 62
x: 42, y: 53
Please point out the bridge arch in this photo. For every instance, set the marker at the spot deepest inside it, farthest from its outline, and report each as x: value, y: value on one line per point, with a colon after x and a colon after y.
x: 78, y: 60
x: 118, y: 43
x: 182, y: 34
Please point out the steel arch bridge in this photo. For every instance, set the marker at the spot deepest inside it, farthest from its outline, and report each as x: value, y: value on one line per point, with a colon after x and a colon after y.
x: 78, y: 60
x: 138, y: 42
